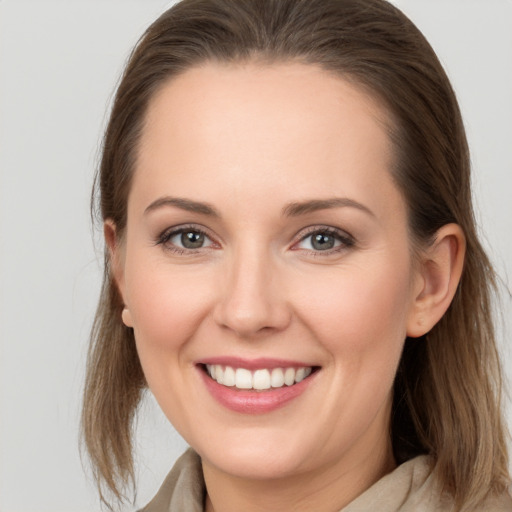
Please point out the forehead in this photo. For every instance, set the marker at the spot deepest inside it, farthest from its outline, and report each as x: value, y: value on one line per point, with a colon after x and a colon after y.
x: 260, y: 128
x: 264, y: 98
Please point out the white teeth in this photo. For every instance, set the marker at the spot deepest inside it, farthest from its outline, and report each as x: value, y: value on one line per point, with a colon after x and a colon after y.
x: 243, y: 379
x: 219, y: 374
x: 277, y: 378
x: 299, y: 374
x: 262, y: 379
x: 289, y: 376
x: 229, y: 376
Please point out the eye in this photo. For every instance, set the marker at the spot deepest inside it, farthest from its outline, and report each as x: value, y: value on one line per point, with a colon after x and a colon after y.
x: 324, y: 240
x: 189, y: 239
x: 184, y: 239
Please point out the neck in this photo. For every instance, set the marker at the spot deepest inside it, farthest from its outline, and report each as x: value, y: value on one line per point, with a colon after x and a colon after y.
x: 329, y: 488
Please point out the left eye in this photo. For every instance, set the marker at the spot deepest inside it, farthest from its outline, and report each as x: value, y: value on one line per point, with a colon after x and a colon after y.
x: 189, y: 239
x: 323, y: 241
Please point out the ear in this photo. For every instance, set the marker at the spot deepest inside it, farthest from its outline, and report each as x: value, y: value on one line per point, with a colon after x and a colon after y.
x: 440, y: 269
x: 116, y: 257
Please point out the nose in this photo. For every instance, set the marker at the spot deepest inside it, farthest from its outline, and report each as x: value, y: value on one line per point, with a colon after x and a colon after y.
x: 252, y: 296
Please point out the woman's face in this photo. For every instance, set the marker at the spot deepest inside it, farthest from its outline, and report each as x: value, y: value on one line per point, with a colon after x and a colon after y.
x: 265, y: 241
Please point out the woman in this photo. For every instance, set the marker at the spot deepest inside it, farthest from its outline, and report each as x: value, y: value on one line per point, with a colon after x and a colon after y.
x: 292, y: 267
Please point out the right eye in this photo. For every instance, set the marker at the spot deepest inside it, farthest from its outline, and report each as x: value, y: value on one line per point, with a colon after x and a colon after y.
x: 185, y: 239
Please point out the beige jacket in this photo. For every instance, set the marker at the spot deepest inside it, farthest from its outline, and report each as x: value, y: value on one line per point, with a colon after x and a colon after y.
x: 409, y: 488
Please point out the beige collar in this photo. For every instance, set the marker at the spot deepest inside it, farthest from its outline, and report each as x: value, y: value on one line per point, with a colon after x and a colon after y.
x: 409, y: 488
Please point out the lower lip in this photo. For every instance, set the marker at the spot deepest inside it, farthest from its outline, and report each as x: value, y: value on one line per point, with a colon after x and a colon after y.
x: 254, y: 402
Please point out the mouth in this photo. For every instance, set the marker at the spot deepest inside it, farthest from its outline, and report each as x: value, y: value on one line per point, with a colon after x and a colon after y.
x: 255, y: 386
x: 261, y: 379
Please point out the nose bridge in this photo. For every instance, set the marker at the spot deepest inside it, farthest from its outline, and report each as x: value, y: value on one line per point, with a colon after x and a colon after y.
x: 252, y: 299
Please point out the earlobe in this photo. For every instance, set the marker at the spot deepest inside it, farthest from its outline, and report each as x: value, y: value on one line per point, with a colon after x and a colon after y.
x: 127, y: 317
x: 441, y: 268
x: 115, y: 257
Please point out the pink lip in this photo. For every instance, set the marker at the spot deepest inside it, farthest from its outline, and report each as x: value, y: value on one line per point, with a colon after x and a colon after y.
x: 254, y: 402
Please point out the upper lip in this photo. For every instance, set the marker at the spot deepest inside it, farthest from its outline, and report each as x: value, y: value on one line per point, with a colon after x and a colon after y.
x: 253, y: 364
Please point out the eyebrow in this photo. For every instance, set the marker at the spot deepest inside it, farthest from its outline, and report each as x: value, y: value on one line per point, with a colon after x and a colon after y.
x: 294, y: 209
x: 184, y: 204
x: 301, y: 208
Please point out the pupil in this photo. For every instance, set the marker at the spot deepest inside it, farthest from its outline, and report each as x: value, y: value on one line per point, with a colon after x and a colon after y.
x: 322, y: 242
x: 192, y: 240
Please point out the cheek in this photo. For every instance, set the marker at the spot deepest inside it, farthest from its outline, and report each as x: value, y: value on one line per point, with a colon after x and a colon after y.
x: 361, y: 322
x: 361, y: 311
x: 166, y: 304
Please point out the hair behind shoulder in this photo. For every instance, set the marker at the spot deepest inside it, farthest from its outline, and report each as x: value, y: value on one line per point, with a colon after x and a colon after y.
x: 448, y: 387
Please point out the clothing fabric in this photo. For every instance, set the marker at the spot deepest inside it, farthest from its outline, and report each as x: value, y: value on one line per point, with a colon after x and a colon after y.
x: 409, y: 488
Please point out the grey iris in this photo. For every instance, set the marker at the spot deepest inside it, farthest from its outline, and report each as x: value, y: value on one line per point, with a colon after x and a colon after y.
x: 192, y: 239
x: 322, y: 242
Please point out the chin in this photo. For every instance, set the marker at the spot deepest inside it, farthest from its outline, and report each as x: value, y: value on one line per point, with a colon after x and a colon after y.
x: 256, y: 455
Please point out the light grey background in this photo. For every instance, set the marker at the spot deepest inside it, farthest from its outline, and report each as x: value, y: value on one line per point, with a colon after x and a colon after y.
x: 59, y: 62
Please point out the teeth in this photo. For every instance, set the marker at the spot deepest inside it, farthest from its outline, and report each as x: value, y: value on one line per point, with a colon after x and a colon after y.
x: 229, y: 376
x: 289, y: 376
x: 261, y: 379
x: 241, y: 378
x: 299, y: 374
x: 219, y: 374
x: 277, y: 378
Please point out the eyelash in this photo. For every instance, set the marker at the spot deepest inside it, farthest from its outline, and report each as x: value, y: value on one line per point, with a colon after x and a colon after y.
x: 346, y: 240
x: 164, y: 238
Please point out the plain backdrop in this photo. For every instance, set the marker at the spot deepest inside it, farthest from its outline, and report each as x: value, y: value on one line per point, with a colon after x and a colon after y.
x: 59, y: 63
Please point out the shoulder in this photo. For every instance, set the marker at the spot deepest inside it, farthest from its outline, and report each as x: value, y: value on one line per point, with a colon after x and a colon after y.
x: 183, y: 489
x: 411, y: 487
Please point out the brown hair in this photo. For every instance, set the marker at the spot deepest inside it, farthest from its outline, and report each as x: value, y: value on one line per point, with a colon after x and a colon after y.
x: 447, y: 390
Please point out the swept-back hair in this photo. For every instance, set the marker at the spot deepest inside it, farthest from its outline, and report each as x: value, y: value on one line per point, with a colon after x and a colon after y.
x: 447, y: 389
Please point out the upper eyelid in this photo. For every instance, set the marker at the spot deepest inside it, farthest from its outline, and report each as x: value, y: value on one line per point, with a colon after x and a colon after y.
x: 305, y: 232
x: 180, y: 228
x: 300, y: 235
x: 346, y: 239
x: 165, y: 235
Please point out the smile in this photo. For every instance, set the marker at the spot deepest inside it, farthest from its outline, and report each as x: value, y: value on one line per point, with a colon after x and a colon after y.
x: 255, y: 386
x: 261, y: 379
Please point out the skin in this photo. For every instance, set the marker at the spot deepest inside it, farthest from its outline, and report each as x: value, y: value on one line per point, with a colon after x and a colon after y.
x: 249, y: 140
